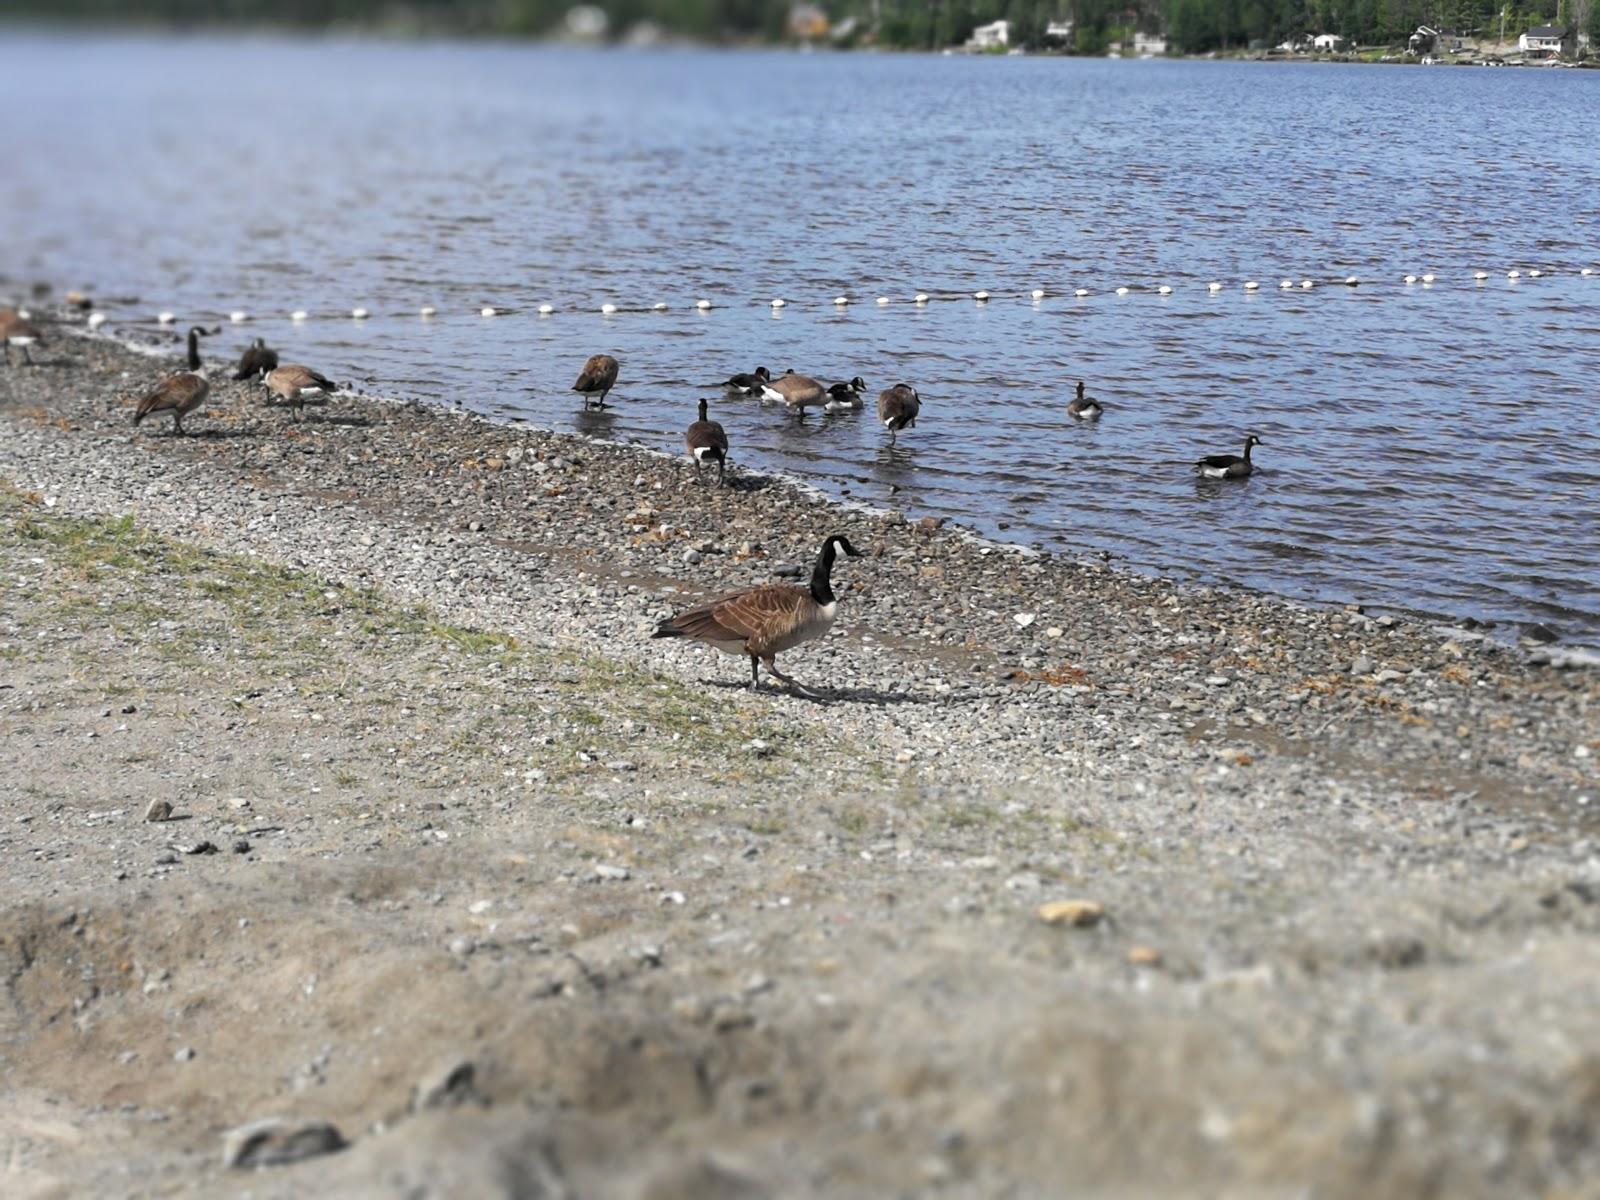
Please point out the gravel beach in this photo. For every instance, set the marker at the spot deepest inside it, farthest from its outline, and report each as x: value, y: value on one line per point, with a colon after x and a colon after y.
x: 346, y: 784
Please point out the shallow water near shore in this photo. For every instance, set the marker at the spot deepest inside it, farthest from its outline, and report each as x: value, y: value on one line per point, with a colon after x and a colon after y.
x: 1427, y: 447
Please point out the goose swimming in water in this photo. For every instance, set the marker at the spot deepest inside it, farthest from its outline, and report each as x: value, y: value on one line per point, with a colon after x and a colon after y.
x: 181, y: 392
x: 257, y: 359
x: 706, y: 440
x: 1228, y: 466
x: 898, y: 408
x: 764, y: 620
x: 747, y: 384
x: 599, y: 374
x: 797, y: 392
x: 1085, y: 408
x: 842, y: 396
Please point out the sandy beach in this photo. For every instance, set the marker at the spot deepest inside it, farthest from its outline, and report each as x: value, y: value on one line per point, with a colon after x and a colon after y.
x: 525, y: 903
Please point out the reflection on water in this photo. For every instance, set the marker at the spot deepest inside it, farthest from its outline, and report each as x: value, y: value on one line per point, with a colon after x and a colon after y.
x: 1427, y: 446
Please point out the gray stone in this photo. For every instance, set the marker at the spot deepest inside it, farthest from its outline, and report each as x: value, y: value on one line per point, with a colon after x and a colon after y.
x: 453, y: 1084
x: 276, y: 1141
x: 159, y: 810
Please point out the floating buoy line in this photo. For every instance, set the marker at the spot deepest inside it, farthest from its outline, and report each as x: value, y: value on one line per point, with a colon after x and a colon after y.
x: 841, y: 303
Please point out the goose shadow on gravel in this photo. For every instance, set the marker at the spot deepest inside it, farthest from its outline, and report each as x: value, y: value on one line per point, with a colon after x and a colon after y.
x: 828, y: 695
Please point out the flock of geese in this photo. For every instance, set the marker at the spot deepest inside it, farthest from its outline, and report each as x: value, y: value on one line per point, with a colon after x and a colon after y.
x: 757, y: 622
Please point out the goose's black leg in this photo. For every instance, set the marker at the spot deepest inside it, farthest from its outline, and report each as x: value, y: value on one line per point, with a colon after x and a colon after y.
x: 755, y: 675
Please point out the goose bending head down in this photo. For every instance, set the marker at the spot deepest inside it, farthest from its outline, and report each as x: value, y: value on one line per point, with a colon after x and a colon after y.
x: 762, y: 621
x: 16, y: 330
x: 796, y: 392
x: 898, y: 408
x: 707, y: 441
x: 747, y: 385
x: 291, y: 382
x: 181, y: 392
x: 1085, y: 408
x: 1228, y: 466
x: 599, y: 376
x: 843, y: 396
x: 257, y: 359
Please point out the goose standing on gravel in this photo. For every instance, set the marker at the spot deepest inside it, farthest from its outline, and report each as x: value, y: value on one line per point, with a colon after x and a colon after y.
x: 18, y: 331
x: 290, y: 383
x: 747, y: 385
x: 599, y: 374
x: 257, y: 359
x: 797, y: 392
x: 765, y: 620
x: 898, y: 408
x: 1228, y: 466
x: 1085, y: 408
x: 180, y: 393
x: 706, y: 439
x: 842, y: 396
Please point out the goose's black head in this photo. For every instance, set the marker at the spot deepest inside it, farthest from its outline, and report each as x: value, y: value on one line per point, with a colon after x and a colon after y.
x: 1080, y: 389
x: 703, y: 403
x: 858, y: 384
x: 763, y: 374
x: 822, y: 574
x: 1252, y: 440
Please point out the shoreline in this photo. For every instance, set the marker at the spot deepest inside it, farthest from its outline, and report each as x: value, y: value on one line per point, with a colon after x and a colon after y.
x: 691, y: 940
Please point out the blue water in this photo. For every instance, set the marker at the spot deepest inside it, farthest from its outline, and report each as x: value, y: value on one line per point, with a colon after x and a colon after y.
x: 1426, y: 447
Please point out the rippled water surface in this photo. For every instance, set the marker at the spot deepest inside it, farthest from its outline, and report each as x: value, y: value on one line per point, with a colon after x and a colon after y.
x: 1432, y: 447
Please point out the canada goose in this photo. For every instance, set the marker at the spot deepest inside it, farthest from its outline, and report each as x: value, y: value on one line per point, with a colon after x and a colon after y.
x: 1085, y: 408
x: 257, y: 359
x: 762, y: 621
x: 845, y: 395
x: 599, y: 374
x: 18, y: 331
x: 180, y: 393
x: 290, y: 383
x: 747, y: 384
x: 898, y: 408
x: 1228, y: 466
x: 796, y: 391
x: 706, y: 439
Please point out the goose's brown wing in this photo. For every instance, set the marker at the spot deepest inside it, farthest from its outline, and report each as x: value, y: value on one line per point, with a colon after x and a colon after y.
x: 707, y: 434
x: 598, y: 374
x: 175, y: 391
x: 756, y: 615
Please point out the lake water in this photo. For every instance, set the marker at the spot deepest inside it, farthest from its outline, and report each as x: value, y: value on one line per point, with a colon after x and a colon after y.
x: 1432, y: 448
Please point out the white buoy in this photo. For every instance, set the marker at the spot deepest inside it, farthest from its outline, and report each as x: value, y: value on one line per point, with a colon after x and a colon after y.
x: 1587, y: 271
x: 1081, y: 293
x: 608, y: 309
x: 1427, y: 279
x: 96, y: 319
x: 1480, y: 276
x: 882, y: 301
x: 427, y: 310
x: 980, y: 297
x: 1306, y: 285
x: 1513, y: 274
x: 298, y: 314
x: 702, y: 304
x: 238, y: 316
x: 1286, y: 284
x: 1164, y: 290
x: 841, y: 301
x: 358, y: 314
x: 1122, y: 291
x: 779, y: 302
x: 1038, y: 293
x: 1411, y: 279
x: 487, y: 311
x: 546, y: 309
x: 922, y: 298
x: 1213, y: 287
x: 166, y: 318
x: 659, y: 306
x: 1535, y: 273
x: 1351, y: 281
x: 1251, y: 285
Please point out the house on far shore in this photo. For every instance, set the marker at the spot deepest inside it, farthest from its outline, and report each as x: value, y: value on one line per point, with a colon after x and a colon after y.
x: 990, y: 36
x: 1327, y: 43
x: 1548, y: 41
x: 807, y: 21
x: 1295, y: 45
x: 1059, y: 31
x: 1153, y: 44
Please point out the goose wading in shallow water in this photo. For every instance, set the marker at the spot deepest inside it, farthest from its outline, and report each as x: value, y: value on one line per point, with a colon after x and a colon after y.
x: 747, y: 385
x: 842, y: 396
x: 706, y: 440
x: 180, y: 393
x: 18, y: 331
x: 1085, y: 408
x: 599, y: 374
x: 1228, y: 466
x: 898, y: 408
x: 257, y: 359
x: 290, y: 383
x: 797, y: 392
x: 763, y: 621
